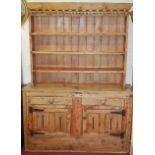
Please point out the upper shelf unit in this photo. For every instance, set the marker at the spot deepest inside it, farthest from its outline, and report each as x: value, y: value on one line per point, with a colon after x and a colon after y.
x: 79, y: 43
x: 79, y: 25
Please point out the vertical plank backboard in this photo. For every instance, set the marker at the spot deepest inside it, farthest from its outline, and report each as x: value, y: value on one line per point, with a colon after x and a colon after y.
x: 82, y: 61
x: 53, y: 43
x: 98, y: 44
x: 75, y: 24
x: 75, y: 43
x: 90, y: 24
x: 105, y: 24
x: 45, y: 24
x: 97, y: 61
x: 53, y: 23
x: 82, y: 43
x: 98, y: 24
x: 67, y: 43
x: 67, y: 24
x: 60, y: 24
x: 121, y: 23
x: 67, y: 61
x: 82, y: 37
x: 82, y: 24
x: 112, y: 43
x: 60, y: 43
x: 105, y: 43
x: 112, y: 23
x: 120, y: 44
x: 90, y: 43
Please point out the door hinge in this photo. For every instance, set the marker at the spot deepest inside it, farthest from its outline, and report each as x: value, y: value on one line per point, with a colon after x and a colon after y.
x: 122, y: 112
x: 31, y: 110
x: 32, y: 133
x: 121, y: 134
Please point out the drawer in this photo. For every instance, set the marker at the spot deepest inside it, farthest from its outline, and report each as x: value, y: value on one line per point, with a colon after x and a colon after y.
x: 119, y: 102
x: 100, y: 101
x: 51, y: 100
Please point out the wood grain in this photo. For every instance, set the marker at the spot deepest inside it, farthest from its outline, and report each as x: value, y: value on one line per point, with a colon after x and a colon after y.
x: 79, y: 100
x: 87, y: 124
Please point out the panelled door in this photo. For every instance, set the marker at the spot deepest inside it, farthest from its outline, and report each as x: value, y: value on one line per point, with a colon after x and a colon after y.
x: 106, y: 116
x: 46, y: 120
x: 100, y: 121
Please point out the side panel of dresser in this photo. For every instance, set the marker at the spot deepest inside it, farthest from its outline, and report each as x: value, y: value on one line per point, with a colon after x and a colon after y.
x: 25, y: 124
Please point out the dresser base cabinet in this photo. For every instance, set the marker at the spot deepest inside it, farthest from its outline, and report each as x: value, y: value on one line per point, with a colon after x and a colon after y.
x: 77, y: 120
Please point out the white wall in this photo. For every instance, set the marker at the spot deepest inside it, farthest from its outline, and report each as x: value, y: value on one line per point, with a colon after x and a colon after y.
x: 26, y: 46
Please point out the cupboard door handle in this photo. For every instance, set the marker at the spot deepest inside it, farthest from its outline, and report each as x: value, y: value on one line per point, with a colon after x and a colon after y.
x: 121, y: 135
x: 122, y: 112
x: 32, y: 133
x: 31, y: 110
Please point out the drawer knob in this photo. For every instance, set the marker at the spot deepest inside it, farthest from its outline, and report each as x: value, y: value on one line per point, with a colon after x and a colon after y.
x: 103, y: 102
x: 51, y: 102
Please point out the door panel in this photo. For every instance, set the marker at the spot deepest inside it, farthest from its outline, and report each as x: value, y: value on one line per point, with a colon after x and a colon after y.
x: 48, y: 121
x: 93, y: 122
x: 61, y: 124
x: 103, y: 122
x: 115, y: 123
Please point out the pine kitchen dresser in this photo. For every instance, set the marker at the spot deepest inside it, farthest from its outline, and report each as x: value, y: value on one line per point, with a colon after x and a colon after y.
x: 78, y: 99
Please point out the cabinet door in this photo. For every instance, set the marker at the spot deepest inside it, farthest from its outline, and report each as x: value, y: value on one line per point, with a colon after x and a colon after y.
x: 45, y: 120
x: 108, y: 122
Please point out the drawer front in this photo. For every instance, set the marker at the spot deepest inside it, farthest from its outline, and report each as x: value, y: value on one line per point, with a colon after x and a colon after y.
x: 105, y: 102
x: 51, y: 100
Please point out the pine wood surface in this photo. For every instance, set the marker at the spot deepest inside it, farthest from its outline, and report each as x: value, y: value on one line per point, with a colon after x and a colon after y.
x: 59, y: 119
x: 85, y: 48
x: 77, y: 99
x: 66, y: 5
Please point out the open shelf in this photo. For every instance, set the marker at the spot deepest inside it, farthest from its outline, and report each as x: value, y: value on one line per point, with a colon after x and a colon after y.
x: 44, y: 61
x: 79, y: 52
x: 91, y: 77
x: 78, y: 43
x: 79, y: 34
x: 80, y: 70
x: 73, y: 87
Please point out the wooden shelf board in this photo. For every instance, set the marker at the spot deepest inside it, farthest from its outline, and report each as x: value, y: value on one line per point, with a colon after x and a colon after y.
x: 80, y: 70
x: 79, y: 34
x: 69, y: 86
x: 78, y: 52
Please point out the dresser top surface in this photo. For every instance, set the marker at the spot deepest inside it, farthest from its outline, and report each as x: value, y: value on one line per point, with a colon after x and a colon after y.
x: 70, y: 89
x: 79, y: 5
